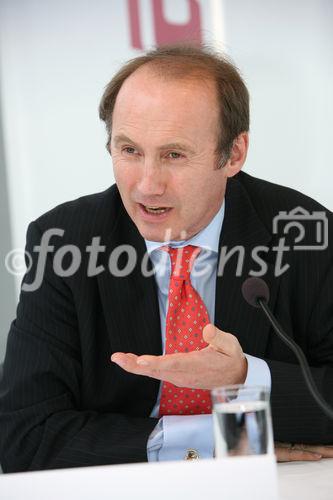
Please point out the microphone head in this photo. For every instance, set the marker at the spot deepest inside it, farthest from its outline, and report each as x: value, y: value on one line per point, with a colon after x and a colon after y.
x: 254, y: 289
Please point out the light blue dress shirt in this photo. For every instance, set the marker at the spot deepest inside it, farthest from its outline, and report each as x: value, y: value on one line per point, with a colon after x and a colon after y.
x: 175, y: 434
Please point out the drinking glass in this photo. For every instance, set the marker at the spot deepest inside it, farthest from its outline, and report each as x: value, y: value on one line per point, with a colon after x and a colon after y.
x: 242, y: 421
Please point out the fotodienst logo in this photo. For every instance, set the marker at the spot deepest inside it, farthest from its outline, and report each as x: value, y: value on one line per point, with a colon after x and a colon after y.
x: 295, y: 230
x: 310, y: 226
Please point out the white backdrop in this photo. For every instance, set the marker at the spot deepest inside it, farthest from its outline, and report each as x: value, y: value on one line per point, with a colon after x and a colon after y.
x: 56, y: 58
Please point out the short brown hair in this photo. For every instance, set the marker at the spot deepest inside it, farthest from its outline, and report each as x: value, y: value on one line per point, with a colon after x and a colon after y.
x: 179, y: 61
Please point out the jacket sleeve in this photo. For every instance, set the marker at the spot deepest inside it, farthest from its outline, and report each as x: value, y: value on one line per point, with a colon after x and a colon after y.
x: 41, y: 421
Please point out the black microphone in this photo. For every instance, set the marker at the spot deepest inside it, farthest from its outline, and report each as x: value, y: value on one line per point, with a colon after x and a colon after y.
x: 256, y: 292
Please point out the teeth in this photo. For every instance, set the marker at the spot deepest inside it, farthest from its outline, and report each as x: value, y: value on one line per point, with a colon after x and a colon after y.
x: 156, y: 210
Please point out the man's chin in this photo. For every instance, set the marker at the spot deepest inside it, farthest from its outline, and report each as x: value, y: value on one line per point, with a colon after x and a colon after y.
x: 157, y: 234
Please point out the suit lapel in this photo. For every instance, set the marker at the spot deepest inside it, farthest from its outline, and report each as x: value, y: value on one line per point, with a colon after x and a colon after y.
x: 129, y: 302
x: 242, y: 228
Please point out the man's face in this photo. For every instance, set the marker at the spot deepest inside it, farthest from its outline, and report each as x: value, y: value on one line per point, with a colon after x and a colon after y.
x: 163, y: 147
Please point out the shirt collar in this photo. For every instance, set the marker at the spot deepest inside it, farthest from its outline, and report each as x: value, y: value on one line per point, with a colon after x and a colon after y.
x: 207, y: 238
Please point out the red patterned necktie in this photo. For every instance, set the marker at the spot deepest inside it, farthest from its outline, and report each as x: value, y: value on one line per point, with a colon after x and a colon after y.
x: 186, y: 317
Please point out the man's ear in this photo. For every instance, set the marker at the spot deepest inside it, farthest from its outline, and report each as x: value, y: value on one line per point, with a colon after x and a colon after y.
x: 238, y: 154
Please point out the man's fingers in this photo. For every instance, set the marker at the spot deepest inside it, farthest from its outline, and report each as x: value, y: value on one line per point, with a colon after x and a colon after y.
x: 168, y: 362
x: 151, y: 365
x: 223, y: 342
x: 124, y: 360
x: 293, y: 455
x: 209, y: 333
x: 286, y: 455
x: 324, y: 451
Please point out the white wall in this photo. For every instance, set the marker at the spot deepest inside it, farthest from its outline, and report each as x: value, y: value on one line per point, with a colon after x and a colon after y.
x: 285, y: 50
x: 56, y: 57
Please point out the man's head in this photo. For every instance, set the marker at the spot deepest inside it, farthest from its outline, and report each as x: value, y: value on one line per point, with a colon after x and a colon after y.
x: 177, y: 120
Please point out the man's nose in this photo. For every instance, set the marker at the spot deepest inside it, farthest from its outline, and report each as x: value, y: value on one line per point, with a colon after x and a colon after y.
x: 152, y: 181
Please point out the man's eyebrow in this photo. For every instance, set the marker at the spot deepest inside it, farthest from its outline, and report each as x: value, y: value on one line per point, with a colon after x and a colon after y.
x: 176, y: 145
x: 172, y: 145
x: 122, y: 138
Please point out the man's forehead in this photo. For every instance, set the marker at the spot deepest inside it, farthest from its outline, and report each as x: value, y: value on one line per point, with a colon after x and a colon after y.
x: 168, y: 110
x: 148, y: 81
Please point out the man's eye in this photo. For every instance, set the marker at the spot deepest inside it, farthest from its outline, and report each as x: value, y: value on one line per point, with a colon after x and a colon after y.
x: 174, y: 156
x: 129, y: 150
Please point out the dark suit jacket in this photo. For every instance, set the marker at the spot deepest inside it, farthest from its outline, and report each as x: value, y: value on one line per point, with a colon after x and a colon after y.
x: 63, y: 403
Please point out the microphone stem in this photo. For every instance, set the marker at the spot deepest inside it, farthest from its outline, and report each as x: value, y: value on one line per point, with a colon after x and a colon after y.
x: 300, y: 356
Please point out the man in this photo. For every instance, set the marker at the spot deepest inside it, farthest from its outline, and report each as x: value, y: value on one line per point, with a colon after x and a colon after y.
x: 85, y: 379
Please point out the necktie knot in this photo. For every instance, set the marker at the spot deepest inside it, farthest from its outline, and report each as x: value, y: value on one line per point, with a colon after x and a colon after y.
x: 182, y: 260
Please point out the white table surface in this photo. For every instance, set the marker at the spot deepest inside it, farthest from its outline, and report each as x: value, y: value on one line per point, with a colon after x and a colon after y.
x: 238, y: 478
x: 296, y: 481
x: 306, y: 480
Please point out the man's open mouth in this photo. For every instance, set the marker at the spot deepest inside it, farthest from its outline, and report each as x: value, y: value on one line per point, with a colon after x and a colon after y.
x: 155, y: 210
